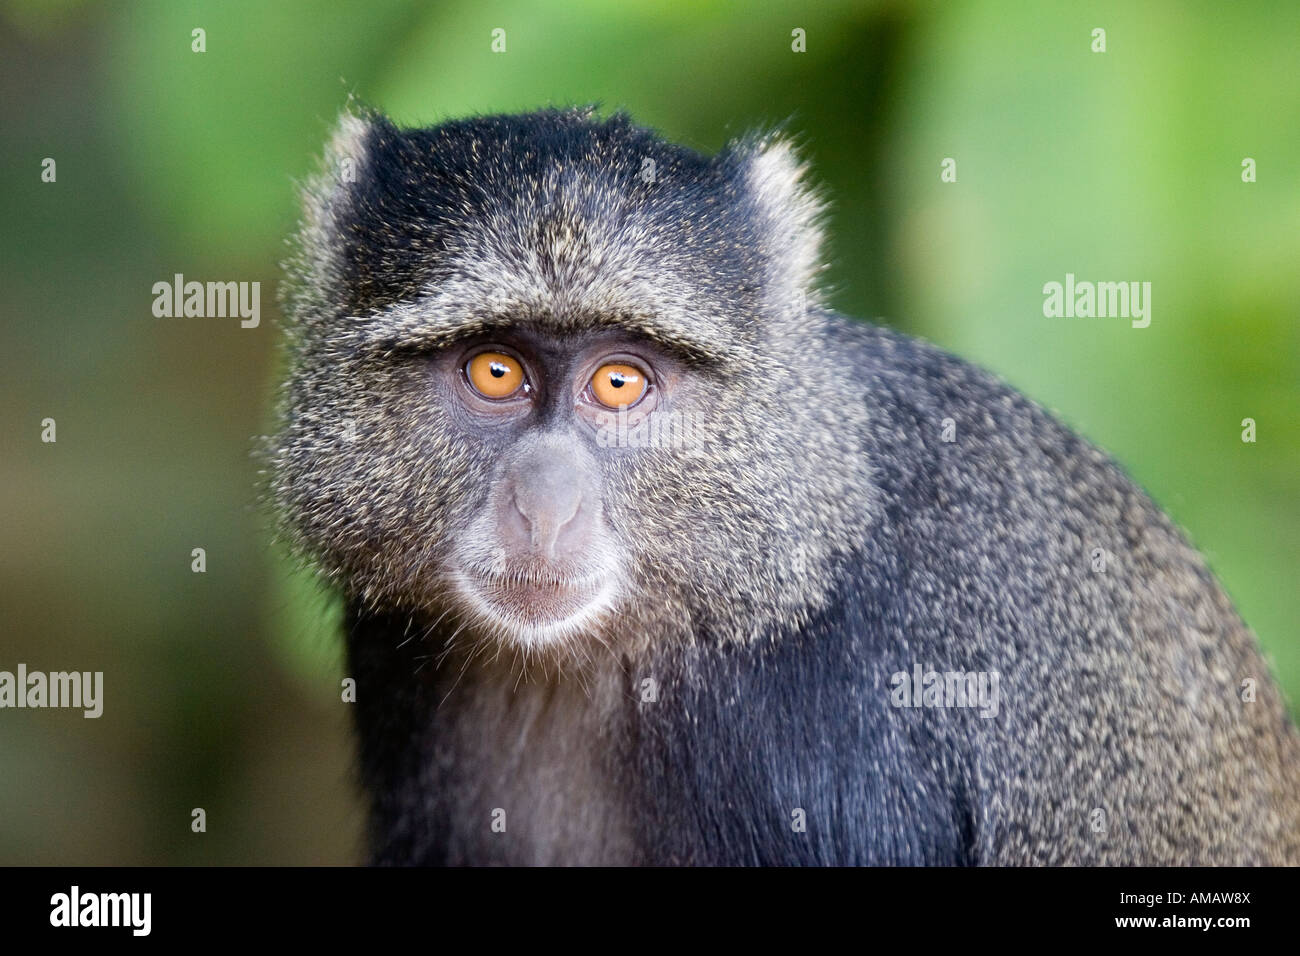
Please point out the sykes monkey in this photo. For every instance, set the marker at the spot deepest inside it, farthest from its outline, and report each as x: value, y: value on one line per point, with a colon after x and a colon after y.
x: 649, y: 557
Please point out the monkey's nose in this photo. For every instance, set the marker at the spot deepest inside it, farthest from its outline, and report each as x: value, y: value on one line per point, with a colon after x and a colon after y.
x: 549, y: 515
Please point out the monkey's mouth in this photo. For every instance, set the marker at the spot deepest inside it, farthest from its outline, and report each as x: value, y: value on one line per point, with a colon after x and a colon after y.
x: 535, y: 606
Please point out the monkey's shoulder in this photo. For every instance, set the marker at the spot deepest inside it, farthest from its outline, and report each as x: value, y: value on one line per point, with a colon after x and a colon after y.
x: 951, y: 442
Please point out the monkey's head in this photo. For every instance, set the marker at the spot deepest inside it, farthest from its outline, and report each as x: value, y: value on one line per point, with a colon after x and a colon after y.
x: 558, y: 381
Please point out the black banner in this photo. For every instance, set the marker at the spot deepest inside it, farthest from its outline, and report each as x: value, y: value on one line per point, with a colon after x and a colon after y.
x: 930, y: 907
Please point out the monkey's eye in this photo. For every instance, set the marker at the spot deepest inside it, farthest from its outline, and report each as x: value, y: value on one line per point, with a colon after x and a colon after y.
x: 494, y: 374
x: 615, y: 385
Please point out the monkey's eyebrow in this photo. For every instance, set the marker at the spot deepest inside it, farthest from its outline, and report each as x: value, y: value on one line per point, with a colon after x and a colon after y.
x: 429, y: 326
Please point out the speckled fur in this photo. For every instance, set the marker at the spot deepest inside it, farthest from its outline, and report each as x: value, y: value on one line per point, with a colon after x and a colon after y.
x: 817, y: 538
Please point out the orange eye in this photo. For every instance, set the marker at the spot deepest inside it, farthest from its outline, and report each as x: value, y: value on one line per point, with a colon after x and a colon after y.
x: 615, y: 385
x: 494, y: 375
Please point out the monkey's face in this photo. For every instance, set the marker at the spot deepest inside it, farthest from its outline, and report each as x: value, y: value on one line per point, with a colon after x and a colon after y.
x: 546, y: 398
x: 548, y: 491
x: 536, y: 489
x: 543, y: 547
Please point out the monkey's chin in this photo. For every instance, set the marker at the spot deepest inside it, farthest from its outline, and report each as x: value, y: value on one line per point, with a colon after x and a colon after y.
x: 533, y: 612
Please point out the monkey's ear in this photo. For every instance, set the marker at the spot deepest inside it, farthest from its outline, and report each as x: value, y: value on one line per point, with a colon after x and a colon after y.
x: 789, y: 213
x: 328, y: 200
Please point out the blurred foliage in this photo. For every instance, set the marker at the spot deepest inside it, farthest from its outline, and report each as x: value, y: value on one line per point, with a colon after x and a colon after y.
x: 222, y: 688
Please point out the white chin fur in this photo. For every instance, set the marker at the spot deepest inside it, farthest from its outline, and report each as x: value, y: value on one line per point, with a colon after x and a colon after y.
x: 530, y: 633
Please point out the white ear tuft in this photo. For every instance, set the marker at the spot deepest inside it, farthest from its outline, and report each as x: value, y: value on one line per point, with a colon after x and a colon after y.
x: 791, y: 214
x: 326, y: 195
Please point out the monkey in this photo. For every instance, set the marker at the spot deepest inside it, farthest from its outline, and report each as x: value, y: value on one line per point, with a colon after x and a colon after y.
x: 648, y: 556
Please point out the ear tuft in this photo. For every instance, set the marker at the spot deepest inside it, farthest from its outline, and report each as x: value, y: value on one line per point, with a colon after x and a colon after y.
x: 327, y: 198
x: 790, y: 215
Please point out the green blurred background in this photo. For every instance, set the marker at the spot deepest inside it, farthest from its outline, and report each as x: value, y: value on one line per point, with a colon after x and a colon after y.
x: 222, y: 688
